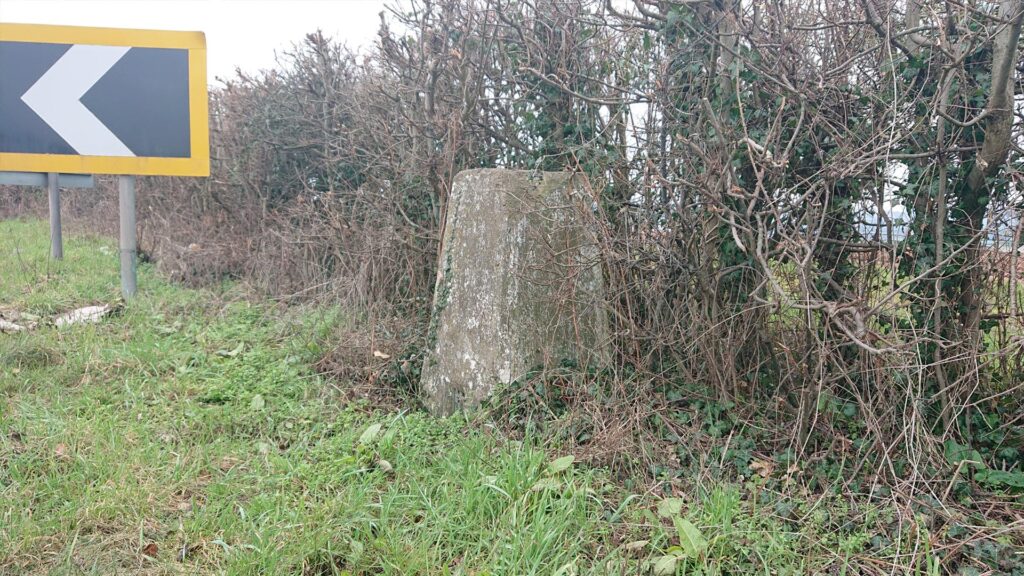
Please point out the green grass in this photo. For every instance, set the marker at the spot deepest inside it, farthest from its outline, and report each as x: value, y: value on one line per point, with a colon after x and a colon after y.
x: 187, y: 435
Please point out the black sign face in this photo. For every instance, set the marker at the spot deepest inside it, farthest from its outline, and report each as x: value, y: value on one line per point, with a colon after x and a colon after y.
x: 141, y: 99
x: 102, y: 100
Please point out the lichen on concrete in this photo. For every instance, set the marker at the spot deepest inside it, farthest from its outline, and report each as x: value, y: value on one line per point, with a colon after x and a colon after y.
x: 519, y: 286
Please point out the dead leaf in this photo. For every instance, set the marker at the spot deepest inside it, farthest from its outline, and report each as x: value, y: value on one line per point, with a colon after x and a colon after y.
x: 791, y: 471
x: 763, y: 468
x: 61, y: 451
x: 635, y: 547
x: 381, y: 355
x: 228, y: 462
x: 150, y: 550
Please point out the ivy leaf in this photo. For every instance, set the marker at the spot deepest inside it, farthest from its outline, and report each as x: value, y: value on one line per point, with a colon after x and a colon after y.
x: 956, y: 453
x: 1001, y: 479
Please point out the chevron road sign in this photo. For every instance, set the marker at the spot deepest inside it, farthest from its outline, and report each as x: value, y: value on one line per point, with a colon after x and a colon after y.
x: 103, y: 100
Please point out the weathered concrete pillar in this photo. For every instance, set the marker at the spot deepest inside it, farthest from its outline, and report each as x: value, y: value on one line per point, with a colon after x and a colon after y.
x: 519, y: 286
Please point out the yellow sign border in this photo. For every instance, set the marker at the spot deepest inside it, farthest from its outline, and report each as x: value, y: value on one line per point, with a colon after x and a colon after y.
x: 198, y: 164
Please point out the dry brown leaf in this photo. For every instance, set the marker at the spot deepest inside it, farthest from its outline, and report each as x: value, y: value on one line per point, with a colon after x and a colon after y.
x: 62, y: 451
x: 635, y: 547
x: 150, y: 550
x: 763, y: 468
x: 228, y: 462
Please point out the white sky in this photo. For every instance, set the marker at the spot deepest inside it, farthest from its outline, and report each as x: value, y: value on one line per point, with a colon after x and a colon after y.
x: 242, y: 33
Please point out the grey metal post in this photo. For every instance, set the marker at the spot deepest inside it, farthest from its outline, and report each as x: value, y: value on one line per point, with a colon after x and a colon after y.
x: 56, y: 242
x: 126, y: 206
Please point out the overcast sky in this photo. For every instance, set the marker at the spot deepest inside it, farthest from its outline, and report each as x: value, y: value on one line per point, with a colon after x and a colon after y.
x: 242, y: 33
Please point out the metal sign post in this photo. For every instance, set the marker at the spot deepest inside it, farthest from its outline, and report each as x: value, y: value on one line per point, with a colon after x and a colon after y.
x: 53, y: 182
x: 127, y: 245
x: 56, y: 241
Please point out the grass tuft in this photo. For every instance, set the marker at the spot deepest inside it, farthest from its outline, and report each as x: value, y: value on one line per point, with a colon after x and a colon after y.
x: 26, y: 351
x: 190, y: 435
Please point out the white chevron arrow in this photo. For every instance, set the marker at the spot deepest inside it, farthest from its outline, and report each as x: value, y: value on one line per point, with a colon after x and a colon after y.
x: 56, y: 98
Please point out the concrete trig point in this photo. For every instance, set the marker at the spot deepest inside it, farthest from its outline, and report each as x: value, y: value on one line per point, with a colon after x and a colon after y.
x: 519, y: 286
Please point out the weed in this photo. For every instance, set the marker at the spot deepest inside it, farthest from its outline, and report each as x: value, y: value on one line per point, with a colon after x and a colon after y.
x: 191, y: 435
